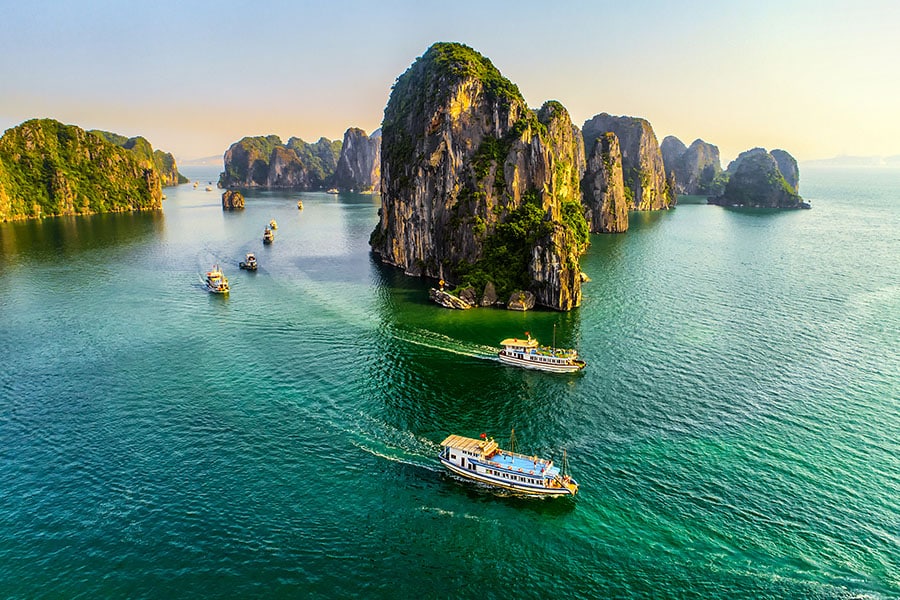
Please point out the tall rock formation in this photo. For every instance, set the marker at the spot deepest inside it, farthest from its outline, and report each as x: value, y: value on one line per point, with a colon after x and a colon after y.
x: 672, y: 150
x: 163, y: 162
x: 49, y: 169
x: 787, y: 164
x: 756, y: 181
x: 646, y: 187
x: 697, y: 170
x: 476, y: 187
x: 266, y: 162
x: 603, y: 188
x: 359, y: 166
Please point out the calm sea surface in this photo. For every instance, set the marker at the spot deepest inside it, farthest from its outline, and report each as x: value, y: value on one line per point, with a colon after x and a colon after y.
x: 735, y: 433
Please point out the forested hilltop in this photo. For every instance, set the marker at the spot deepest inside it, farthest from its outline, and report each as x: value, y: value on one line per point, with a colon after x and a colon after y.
x: 163, y: 162
x: 49, y: 169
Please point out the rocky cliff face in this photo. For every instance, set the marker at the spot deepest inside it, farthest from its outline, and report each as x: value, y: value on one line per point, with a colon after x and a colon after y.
x: 163, y: 162
x: 266, y: 162
x: 476, y: 187
x: 646, y: 187
x: 756, y: 181
x: 787, y: 164
x: 603, y: 188
x: 49, y: 169
x: 672, y: 149
x: 697, y: 170
x: 359, y: 166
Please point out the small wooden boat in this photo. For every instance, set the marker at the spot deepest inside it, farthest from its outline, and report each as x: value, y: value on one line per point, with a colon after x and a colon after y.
x: 268, y: 236
x: 249, y: 263
x: 299, y: 204
x: 483, y: 461
x: 273, y: 225
x: 333, y: 191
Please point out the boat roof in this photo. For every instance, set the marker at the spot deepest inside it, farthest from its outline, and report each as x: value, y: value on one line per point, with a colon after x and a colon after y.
x: 511, y: 461
x: 526, y: 343
x: 469, y: 444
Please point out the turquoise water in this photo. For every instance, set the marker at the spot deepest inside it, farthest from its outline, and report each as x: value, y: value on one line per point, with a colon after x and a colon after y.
x: 734, y: 433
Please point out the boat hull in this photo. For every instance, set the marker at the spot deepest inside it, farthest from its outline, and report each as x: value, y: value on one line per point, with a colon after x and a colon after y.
x: 551, y: 367
x: 493, y: 482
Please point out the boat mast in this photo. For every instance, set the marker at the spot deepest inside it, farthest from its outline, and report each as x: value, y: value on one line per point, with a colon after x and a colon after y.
x: 512, y: 440
x: 565, y: 465
x: 554, y: 339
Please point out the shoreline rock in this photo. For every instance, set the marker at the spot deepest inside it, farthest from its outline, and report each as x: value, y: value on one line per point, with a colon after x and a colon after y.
x: 448, y: 300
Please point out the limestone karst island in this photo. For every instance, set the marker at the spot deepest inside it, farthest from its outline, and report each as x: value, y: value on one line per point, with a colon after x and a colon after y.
x: 49, y: 169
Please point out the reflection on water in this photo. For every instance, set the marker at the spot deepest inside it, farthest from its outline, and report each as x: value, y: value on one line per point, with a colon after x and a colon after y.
x: 68, y: 237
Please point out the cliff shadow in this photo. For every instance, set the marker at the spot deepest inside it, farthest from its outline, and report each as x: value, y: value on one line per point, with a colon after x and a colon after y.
x: 68, y: 237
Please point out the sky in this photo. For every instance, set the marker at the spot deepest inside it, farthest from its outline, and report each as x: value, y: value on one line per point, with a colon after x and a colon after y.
x: 816, y: 78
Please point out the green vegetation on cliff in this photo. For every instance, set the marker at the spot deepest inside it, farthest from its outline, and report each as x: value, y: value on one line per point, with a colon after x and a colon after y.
x: 320, y: 158
x: 254, y: 164
x: 459, y: 62
x: 48, y: 169
x: 163, y: 162
x: 443, y: 65
x: 507, y: 251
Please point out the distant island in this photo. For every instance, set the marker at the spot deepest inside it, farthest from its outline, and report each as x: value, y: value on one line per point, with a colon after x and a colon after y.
x: 266, y: 162
x: 755, y: 179
x: 51, y: 169
x: 843, y: 161
x: 760, y: 179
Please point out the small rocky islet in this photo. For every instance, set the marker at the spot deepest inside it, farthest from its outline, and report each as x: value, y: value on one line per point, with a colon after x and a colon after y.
x: 477, y: 189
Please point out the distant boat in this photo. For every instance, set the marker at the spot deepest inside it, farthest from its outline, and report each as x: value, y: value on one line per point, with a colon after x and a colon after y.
x: 273, y: 224
x: 208, y: 189
x: 483, y: 461
x: 529, y: 354
x: 216, y: 282
x: 268, y: 236
x: 333, y: 191
x: 249, y: 262
x: 299, y: 204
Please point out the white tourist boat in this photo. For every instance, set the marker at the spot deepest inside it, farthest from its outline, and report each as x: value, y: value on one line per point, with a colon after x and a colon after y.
x: 483, y: 461
x: 531, y: 355
x: 216, y: 282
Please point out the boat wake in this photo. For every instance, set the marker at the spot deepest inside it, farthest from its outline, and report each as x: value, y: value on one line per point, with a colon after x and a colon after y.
x: 437, y: 341
x: 386, y: 441
x: 416, y: 461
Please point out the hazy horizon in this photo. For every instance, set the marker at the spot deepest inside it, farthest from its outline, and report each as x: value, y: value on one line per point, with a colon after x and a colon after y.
x: 813, y: 78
